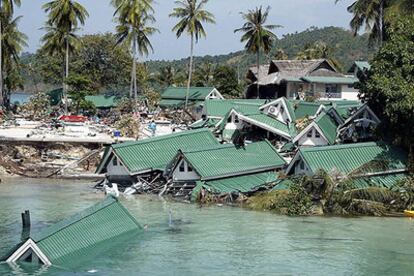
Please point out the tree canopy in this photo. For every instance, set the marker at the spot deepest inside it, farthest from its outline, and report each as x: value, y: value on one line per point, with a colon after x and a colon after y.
x: 389, y: 85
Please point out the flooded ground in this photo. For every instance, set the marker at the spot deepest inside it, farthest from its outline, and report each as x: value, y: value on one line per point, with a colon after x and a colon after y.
x: 213, y: 240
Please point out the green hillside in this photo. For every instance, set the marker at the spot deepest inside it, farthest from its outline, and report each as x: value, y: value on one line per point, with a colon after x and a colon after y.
x: 346, y: 49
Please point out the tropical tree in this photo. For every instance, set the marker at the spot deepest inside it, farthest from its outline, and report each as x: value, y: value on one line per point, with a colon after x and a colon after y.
x: 318, y: 50
x: 133, y: 18
x: 257, y: 34
x: 204, y: 74
x: 168, y: 76
x: 6, y: 12
x: 64, y: 18
x: 191, y: 15
x: 376, y: 15
x: 13, y: 42
x: 281, y: 54
x: 388, y: 87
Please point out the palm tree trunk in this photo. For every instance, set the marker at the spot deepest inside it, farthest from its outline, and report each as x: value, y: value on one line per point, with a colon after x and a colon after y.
x: 190, y: 73
x: 258, y: 73
x: 65, y: 86
x: 134, y: 75
x: 1, y: 63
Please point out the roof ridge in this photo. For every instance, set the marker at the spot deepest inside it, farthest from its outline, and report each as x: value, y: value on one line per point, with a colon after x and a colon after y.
x: 160, y: 138
x: 221, y: 147
x: 342, y: 146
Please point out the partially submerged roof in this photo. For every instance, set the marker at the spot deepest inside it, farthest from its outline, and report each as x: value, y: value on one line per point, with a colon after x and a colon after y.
x: 179, y: 93
x: 240, y: 184
x: 72, y: 238
x: 223, y: 161
x: 102, y: 101
x: 154, y: 154
x: 350, y: 158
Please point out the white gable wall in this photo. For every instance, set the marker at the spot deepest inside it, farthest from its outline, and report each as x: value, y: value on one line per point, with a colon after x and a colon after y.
x: 116, y: 168
x: 184, y: 172
x: 311, y: 138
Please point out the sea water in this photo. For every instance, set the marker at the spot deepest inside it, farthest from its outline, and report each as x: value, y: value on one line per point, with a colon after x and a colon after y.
x: 211, y: 240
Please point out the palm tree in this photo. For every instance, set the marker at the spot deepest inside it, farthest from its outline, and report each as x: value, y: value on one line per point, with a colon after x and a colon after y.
x: 64, y: 17
x: 205, y: 74
x: 167, y: 76
x: 281, y: 54
x: 318, y: 50
x: 257, y: 35
x: 133, y: 17
x: 191, y: 15
x: 6, y: 12
x: 13, y: 42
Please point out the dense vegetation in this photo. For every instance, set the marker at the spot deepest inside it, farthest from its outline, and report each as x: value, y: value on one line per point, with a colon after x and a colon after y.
x: 109, y: 66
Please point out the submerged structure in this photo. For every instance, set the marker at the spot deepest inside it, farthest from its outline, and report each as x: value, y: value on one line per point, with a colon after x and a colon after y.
x: 125, y: 163
x: 223, y: 169
x: 73, y: 238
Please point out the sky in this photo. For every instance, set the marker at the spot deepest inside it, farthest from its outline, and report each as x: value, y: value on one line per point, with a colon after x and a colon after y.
x: 293, y: 15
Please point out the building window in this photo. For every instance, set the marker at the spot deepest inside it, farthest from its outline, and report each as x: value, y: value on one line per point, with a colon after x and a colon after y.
x: 302, y: 165
x: 350, y: 86
x: 190, y: 169
x: 331, y: 90
x: 317, y: 134
x: 182, y: 167
x: 309, y: 135
x: 115, y: 161
x: 236, y: 120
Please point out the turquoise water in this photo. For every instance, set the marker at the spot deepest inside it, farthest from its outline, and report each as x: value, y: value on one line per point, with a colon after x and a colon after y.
x: 214, y: 240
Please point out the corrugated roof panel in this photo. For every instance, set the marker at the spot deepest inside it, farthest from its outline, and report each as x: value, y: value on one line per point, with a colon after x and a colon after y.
x: 74, y: 235
x: 102, y: 101
x: 195, y: 93
x: 155, y: 153
x: 219, y: 108
x: 380, y: 181
x: 269, y: 121
x: 241, y: 184
x: 229, y: 160
x: 331, y: 80
x: 328, y: 126
x: 349, y: 157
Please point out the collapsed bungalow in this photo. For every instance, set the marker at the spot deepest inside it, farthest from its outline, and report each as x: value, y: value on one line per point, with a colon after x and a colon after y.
x: 372, y: 163
x: 175, y: 97
x: 298, y: 79
x: 339, y: 124
x: 215, y: 110
x: 77, y: 237
x: 125, y: 163
x: 222, y: 169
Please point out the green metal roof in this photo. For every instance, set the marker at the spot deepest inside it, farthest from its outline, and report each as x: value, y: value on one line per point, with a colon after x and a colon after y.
x: 290, y: 129
x: 55, y: 96
x: 328, y: 126
x: 209, y: 123
x: 240, y: 184
x: 156, y: 153
x: 179, y: 93
x: 380, y: 181
x: 304, y: 109
x: 349, y: 157
x: 219, y: 108
x: 229, y: 160
x: 362, y: 65
x: 168, y: 103
x: 331, y: 80
x: 77, y: 234
x: 102, y: 101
